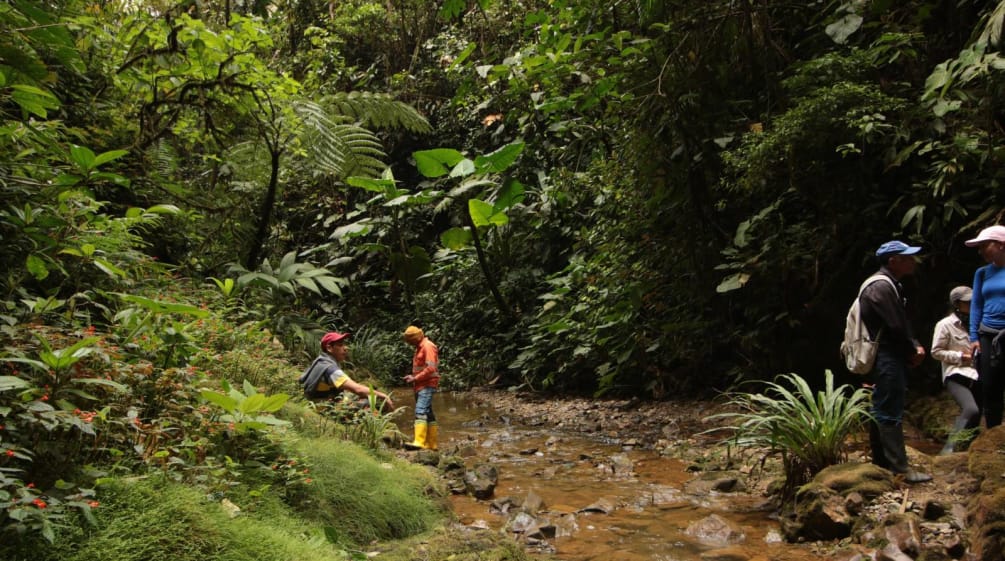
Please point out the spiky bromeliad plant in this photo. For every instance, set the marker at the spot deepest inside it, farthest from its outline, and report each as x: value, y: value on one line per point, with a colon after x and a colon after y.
x: 807, y: 429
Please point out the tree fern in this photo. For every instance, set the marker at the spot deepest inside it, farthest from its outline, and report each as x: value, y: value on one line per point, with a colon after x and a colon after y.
x: 339, y: 148
x: 378, y: 111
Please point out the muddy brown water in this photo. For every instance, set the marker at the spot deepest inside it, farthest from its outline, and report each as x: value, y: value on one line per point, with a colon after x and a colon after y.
x: 571, y: 471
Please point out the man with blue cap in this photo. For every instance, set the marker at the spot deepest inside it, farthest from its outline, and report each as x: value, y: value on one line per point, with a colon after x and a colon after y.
x: 884, y: 314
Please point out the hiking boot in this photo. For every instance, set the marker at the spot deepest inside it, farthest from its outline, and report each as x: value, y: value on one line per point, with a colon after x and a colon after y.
x: 916, y: 477
x: 421, y: 434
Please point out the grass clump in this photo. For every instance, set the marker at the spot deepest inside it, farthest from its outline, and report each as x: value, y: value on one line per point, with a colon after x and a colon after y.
x: 808, y: 429
x: 159, y: 520
x: 360, y: 499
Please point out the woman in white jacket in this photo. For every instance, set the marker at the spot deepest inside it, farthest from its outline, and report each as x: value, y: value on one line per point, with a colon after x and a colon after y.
x: 951, y: 347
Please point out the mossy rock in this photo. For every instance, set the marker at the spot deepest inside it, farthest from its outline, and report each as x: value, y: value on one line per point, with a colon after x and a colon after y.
x: 987, y: 456
x: 868, y: 480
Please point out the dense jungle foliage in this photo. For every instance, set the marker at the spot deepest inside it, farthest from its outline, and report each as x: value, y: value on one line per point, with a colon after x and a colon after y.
x: 630, y: 197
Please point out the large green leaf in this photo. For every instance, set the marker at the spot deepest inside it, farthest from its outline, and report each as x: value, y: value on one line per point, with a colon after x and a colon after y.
x: 499, y: 160
x: 481, y: 212
x: 436, y: 162
x: 455, y: 238
x: 512, y: 193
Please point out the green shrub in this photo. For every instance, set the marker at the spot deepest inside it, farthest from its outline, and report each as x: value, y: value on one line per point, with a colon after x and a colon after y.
x: 379, y: 354
x: 808, y: 429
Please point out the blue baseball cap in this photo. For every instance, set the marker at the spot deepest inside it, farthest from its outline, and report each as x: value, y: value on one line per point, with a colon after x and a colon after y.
x: 896, y: 247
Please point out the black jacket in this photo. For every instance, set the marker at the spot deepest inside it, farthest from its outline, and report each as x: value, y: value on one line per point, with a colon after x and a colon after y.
x: 884, y: 311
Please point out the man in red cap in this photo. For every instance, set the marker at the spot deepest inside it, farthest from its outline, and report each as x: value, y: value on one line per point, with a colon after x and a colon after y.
x: 325, y: 379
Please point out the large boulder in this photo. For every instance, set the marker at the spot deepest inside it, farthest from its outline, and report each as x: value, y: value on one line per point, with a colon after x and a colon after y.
x: 825, y: 508
x: 987, y: 511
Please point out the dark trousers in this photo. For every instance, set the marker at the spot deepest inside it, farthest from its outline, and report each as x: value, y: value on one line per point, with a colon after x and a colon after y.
x: 992, y: 381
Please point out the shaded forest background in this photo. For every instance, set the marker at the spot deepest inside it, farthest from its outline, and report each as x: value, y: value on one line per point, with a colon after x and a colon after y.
x: 631, y: 197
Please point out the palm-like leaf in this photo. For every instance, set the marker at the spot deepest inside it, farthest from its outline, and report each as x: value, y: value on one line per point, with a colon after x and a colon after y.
x: 378, y: 111
x: 339, y: 148
x: 808, y: 429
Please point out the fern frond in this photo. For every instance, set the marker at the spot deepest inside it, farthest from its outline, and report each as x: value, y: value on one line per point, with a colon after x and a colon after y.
x: 378, y: 111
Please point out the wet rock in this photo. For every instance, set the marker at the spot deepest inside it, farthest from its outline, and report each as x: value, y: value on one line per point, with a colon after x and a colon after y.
x: 502, y: 505
x: 481, y: 481
x: 622, y: 465
x: 427, y: 457
x: 955, y: 547
x: 903, y: 531
x: 726, y: 554
x: 773, y: 536
x: 532, y: 503
x: 450, y: 463
x: 540, y: 531
x: 958, y: 513
x: 718, y: 481
x: 566, y: 525
x: 521, y: 522
x: 892, y: 553
x: 854, y: 503
x: 603, y: 506
x: 934, y: 510
x: 715, y: 530
x: 821, y: 512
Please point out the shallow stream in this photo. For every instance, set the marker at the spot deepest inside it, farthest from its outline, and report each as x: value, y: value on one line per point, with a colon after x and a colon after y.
x: 607, y: 501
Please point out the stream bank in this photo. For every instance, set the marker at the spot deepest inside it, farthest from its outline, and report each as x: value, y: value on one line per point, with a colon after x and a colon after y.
x: 583, y: 479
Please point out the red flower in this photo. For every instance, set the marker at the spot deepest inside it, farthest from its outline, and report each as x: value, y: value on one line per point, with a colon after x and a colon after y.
x: 45, y: 397
x: 93, y: 504
x: 10, y: 453
x: 31, y: 485
x: 39, y: 503
x: 308, y: 480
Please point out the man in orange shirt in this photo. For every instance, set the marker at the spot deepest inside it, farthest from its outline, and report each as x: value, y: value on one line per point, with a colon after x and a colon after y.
x: 425, y: 378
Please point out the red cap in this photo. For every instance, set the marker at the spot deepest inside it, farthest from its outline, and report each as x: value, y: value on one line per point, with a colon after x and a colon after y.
x: 333, y: 337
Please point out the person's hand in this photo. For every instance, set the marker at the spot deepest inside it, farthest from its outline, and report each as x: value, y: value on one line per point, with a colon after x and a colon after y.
x: 919, y: 356
x: 975, y: 348
x: 409, y: 379
x: 966, y: 359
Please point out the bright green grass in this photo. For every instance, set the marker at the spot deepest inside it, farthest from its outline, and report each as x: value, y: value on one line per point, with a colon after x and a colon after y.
x: 362, y: 498
x: 352, y: 500
x: 158, y: 520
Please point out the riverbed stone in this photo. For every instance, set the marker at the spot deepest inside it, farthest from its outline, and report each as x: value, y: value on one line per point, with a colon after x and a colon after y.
x: 718, y: 481
x: 892, y: 553
x: 903, y: 531
x: 715, y: 530
x: 481, y: 481
x: 732, y: 553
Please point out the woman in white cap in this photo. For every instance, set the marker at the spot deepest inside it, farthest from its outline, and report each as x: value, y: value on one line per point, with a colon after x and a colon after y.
x: 987, y: 319
x: 951, y: 347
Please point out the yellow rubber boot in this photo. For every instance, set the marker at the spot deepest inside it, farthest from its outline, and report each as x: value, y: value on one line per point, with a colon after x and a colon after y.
x: 421, y: 432
x: 432, y: 437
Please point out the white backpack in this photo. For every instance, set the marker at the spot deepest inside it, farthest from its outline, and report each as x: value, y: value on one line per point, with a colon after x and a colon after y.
x: 857, y: 349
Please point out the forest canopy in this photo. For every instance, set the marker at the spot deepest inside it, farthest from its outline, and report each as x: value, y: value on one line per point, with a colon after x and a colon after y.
x: 634, y: 197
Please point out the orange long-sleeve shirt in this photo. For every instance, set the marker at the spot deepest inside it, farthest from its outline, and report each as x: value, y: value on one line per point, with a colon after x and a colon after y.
x: 425, y: 365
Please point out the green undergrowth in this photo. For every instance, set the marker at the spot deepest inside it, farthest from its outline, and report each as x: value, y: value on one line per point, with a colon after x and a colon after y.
x: 346, y: 499
x: 158, y: 520
x: 361, y: 498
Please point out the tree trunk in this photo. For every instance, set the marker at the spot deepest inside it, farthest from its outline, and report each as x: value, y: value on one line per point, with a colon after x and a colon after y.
x: 265, y: 214
x: 489, y: 279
